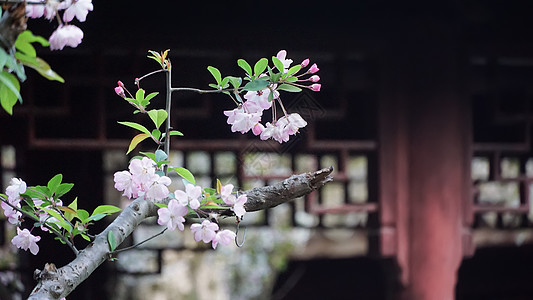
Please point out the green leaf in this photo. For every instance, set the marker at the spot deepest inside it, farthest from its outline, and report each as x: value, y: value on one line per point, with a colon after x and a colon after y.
x: 260, y: 66
x: 175, y: 132
x: 149, y: 97
x: 245, y: 66
x: 235, y: 81
x: 289, y: 88
x: 158, y: 116
x: 156, y: 134
x: 135, y: 126
x: 136, y: 140
x: 256, y: 85
x: 60, y: 221
x: 278, y: 64
x: 105, y: 209
x: 29, y: 37
x: 111, y: 239
x: 63, y: 188
x: 85, y: 237
x: 54, y: 183
x: 186, y: 174
x: 9, y: 91
x: 39, y: 65
x: 148, y: 154
x: 95, y: 218
x: 82, y: 215
x: 139, y: 95
x: 291, y: 79
x: 292, y: 70
x: 216, y: 74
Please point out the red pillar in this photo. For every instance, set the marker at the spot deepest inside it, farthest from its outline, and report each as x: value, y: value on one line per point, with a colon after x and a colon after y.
x: 424, y: 165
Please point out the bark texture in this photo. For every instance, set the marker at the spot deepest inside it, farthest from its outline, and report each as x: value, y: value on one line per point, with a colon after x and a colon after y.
x: 56, y: 283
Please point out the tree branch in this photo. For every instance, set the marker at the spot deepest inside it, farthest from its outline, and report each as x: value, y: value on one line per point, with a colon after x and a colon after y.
x: 56, y: 283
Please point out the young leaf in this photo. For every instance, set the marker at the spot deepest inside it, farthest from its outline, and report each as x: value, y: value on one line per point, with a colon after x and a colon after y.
x: 135, y: 126
x: 245, y: 66
x: 63, y: 188
x: 289, y: 88
x: 149, y: 97
x: 54, y: 183
x: 292, y: 70
x: 105, y: 209
x: 175, y: 132
x: 186, y: 174
x: 260, y: 66
x: 96, y: 217
x: 111, y: 239
x: 219, y: 186
x: 256, y: 85
x: 85, y: 237
x: 216, y: 74
x: 136, y: 140
x: 278, y: 64
x: 160, y: 155
x: 139, y: 95
x: 158, y: 116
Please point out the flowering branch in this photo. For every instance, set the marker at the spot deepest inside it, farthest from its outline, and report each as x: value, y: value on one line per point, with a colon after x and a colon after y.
x: 56, y: 283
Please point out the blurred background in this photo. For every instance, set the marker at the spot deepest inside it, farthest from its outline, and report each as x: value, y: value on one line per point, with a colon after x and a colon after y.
x: 425, y: 114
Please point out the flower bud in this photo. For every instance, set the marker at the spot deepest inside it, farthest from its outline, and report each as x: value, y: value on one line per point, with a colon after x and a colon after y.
x: 120, y: 84
x: 258, y: 128
x: 313, y: 69
x: 305, y: 63
x: 120, y: 91
x: 314, y: 78
x: 316, y: 87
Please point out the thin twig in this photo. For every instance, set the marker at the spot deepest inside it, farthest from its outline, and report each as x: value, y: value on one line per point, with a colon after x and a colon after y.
x: 140, y: 243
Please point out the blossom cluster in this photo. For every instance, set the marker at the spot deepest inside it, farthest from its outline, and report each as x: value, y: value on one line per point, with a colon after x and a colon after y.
x: 66, y: 34
x: 142, y: 179
x: 24, y: 239
x: 173, y: 216
x: 247, y: 116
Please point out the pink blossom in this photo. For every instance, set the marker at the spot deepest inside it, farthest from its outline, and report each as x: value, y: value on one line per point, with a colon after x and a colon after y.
x: 25, y: 240
x: 124, y: 182
x: 282, y: 54
x: 305, y: 62
x: 120, y: 91
x: 159, y: 188
x: 241, y: 120
x: 11, y: 214
x: 204, y: 232
x: 143, y: 171
x: 173, y: 215
x: 314, y: 78
x: 258, y: 100
x: 35, y: 11
x: 224, y: 237
x: 313, y: 69
x: 190, y: 196
x: 78, y: 8
x: 226, y: 190
x: 316, y: 87
x: 295, y: 121
x: 238, y: 207
x: 65, y: 35
x: 16, y: 187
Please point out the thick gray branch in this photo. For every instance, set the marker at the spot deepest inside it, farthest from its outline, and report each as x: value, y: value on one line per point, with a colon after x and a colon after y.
x: 56, y: 283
